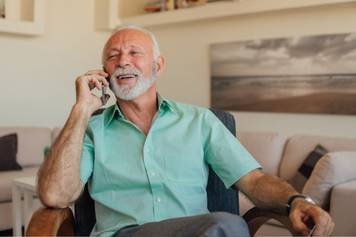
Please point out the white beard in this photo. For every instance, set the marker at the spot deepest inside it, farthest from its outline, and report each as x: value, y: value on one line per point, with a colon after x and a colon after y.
x: 129, y: 93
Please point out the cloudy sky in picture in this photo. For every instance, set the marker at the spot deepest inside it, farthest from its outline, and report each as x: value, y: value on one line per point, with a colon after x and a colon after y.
x: 307, y: 55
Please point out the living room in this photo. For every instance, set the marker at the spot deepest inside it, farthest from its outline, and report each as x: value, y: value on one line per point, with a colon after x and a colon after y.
x: 44, y: 53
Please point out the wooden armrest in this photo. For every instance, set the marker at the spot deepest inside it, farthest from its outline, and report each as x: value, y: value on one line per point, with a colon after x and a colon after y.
x: 256, y: 217
x: 51, y: 222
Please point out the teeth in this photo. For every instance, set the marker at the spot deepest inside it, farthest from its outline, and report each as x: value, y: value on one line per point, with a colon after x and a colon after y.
x: 125, y: 76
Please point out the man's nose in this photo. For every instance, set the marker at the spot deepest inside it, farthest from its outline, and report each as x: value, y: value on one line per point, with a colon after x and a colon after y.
x: 124, y: 61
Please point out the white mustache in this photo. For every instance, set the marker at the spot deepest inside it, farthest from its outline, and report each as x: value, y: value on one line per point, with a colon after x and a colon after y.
x: 125, y: 71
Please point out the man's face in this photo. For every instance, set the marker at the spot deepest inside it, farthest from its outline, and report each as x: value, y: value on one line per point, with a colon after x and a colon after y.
x: 128, y: 58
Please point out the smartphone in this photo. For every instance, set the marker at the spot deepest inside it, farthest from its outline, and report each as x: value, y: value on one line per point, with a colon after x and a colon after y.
x: 104, y: 95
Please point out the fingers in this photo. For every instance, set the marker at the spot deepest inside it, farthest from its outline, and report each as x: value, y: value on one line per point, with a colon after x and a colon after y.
x: 325, y: 225
x: 99, y: 72
x: 97, y: 81
x: 331, y: 227
x: 86, y: 83
x: 322, y: 221
x: 94, y: 78
x: 305, y: 213
x: 297, y: 218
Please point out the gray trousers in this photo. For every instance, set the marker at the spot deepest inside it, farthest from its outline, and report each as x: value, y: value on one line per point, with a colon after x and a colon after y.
x: 216, y: 224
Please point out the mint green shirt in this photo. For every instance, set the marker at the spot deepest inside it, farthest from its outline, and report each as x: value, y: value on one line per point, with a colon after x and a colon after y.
x: 135, y: 179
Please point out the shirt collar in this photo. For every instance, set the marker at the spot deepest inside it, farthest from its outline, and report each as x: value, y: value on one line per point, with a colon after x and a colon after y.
x: 164, y: 104
x: 114, y: 110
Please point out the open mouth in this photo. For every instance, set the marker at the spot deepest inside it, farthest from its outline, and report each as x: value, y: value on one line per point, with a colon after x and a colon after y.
x: 126, y: 76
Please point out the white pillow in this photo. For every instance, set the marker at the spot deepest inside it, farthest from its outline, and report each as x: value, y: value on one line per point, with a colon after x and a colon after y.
x: 332, y: 169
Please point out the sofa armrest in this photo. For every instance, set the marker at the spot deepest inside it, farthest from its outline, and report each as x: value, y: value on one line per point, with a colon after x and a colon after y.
x: 51, y: 222
x: 256, y: 217
x: 343, y: 208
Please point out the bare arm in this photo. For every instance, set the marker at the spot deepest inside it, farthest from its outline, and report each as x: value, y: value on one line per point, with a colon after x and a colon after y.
x: 266, y: 191
x: 59, y: 181
x: 270, y: 192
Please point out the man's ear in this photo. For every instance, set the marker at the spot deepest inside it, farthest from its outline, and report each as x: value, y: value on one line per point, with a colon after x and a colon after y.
x: 160, y: 65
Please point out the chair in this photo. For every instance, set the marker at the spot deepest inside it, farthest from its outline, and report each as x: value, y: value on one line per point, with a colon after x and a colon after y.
x: 61, y: 222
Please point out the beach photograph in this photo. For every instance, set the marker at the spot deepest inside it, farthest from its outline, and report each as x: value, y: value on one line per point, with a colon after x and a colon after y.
x: 309, y: 74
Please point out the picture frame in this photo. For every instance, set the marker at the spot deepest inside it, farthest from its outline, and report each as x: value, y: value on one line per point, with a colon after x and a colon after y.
x: 305, y: 74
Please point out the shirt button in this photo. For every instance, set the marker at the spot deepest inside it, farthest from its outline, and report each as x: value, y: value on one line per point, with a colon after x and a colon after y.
x: 158, y: 199
x: 148, y: 150
x: 153, y: 173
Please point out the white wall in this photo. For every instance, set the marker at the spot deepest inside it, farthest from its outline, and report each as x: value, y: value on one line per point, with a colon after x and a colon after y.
x: 188, y: 76
x: 38, y: 73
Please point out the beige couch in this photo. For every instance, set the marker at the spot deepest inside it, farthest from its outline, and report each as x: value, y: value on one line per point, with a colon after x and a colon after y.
x: 278, y: 154
x: 31, y: 144
x: 282, y: 156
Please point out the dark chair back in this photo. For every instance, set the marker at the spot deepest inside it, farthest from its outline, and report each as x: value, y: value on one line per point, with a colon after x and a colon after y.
x: 219, y: 198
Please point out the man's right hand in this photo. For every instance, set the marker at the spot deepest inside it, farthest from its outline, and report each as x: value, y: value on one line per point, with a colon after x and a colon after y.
x: 87, y: 82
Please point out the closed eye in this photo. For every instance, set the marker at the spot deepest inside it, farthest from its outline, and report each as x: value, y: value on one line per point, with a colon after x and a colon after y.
x: 135, y: 53
x: 112, y: 56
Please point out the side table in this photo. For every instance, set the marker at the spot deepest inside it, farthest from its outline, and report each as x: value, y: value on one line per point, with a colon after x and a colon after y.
x: 26, y: 187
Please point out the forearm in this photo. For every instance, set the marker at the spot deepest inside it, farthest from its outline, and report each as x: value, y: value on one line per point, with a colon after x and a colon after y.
x: 266, y: 191
x: 59, y: 176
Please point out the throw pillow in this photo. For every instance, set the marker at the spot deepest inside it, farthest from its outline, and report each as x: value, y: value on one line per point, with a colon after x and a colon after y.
x: 307, y: 167
x: 334, y: 168
x: 8, y: 152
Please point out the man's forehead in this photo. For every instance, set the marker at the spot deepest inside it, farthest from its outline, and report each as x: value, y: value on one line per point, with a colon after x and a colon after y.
x: 124, y: 45
x: 129, y: 38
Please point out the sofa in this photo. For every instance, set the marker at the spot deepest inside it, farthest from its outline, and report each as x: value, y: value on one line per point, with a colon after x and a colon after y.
x: 31, y: 145
x: 278, y: 154
x: 282, y: 156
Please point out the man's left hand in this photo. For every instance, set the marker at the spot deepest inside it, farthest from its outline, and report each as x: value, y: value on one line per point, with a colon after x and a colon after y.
x: 303, y: 212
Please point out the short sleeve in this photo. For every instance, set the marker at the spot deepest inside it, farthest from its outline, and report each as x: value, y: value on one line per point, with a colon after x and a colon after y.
x: 87, y: 158
x: 225, y: 154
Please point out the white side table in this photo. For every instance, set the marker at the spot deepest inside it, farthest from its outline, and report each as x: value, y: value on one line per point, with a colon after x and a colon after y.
x: 26, y: 187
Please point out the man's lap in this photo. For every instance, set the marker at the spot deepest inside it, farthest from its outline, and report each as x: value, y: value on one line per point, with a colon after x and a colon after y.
x: 217, y: 224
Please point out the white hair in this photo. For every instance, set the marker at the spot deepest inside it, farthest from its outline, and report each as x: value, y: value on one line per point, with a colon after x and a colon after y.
x: 155, y: 46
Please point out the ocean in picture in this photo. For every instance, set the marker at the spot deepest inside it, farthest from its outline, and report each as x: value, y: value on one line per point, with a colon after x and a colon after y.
x: 308, y: 74
x: 331, y: 93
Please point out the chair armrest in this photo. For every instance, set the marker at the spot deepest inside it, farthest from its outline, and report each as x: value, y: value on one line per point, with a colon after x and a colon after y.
x: 51, y: 222
x: 256, y: 217
x: 343, y: 208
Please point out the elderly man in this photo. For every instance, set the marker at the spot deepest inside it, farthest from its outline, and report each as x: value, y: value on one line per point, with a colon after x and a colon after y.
x: 145, y: 158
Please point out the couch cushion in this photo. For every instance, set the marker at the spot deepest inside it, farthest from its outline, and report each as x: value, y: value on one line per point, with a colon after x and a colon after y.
x: 306, y: 169
x: 343, y: 209
x: 299, y: 146
x: 267, y: 148
x: 6, y: 178
x: 31, y: 143
x: 334, y: 168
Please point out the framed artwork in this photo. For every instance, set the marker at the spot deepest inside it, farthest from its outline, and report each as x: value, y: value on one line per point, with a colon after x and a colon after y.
x: 309, y: 74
